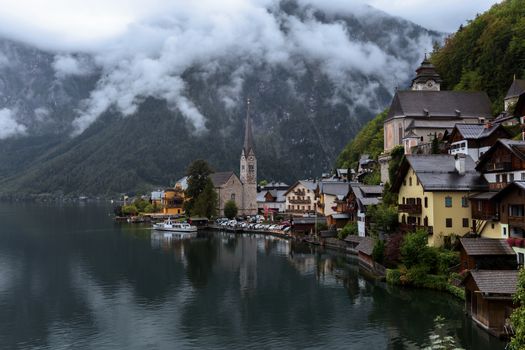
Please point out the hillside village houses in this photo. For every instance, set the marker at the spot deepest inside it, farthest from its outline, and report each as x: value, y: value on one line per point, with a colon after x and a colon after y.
x: 425, y: 111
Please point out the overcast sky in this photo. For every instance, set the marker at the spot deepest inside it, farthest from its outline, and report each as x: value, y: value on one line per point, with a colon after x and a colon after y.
x: 84, y: 25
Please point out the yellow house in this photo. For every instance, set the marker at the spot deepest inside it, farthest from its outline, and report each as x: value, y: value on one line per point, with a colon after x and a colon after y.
x: 433, y: 194
x: 173, y: 201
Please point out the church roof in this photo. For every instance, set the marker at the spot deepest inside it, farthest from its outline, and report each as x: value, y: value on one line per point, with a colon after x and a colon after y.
x: 248, y: 135
x: 516, y: 88
x: 478, y: 131
x: 425, y: 72
x: 440, y: 104
x: 221, y: 178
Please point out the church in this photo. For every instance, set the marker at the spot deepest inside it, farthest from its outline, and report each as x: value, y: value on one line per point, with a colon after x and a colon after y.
x: 417, y: 115
x: 242, y: 190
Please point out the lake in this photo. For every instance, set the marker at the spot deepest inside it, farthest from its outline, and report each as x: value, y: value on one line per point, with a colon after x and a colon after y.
x: 72, y: 278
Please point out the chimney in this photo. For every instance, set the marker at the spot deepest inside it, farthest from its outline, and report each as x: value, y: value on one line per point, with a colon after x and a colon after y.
x: 460, y: 163
x: 488, y: 125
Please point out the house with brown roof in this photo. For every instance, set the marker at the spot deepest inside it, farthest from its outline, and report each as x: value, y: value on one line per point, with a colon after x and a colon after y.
x: 489, y: 298
x: 487, y: 254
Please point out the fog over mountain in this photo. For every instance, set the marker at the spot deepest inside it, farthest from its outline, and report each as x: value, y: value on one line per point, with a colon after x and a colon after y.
x: 174, y: 85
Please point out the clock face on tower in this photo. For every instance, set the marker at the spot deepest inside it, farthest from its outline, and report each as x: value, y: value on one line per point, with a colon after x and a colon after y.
x: 430, y: 83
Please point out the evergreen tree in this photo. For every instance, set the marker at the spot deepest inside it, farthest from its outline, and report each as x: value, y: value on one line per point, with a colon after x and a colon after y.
x: 198, y: 175
x: 230, y: 209
x: 206, y: 203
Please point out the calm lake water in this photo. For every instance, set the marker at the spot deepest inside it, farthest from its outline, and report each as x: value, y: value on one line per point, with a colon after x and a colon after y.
x: 71, y: 278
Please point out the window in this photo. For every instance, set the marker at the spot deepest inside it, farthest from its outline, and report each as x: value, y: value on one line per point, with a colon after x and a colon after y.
x: 504, y: 231
x: 465, y: 222
x: 497, y: 178
x: 233, y: 197
x: 504, y: 178
x: 516, y: 210
x: 448, y: 222
x: 250, y: 168
x: 464, y: 202
x: 419, y: 221
x: 521, y: 258
x: 410, y: 181
x: 242, y: 167
x: 523, y: 176
x: 511, y: 177
x: 417, y: 180
x: 448, y: 202
x: 426, y: 202
x: 425, y: 221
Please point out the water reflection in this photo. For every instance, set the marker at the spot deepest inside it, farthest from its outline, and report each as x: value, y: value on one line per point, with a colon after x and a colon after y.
x: 69, y: 277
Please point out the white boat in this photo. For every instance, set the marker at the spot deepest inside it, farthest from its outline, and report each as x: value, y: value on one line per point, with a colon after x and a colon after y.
x: 172, y: 226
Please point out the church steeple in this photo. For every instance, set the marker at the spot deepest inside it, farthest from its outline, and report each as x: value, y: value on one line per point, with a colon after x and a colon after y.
x: 248, y: 162
x: 248, y: 135
x: 427, y: 78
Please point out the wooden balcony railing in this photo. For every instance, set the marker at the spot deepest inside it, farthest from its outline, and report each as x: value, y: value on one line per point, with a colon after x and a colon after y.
x: 410, y: 208
x: 299, y: 201
x: 488, y: 215
x: 496, y: 186
x: 414, y: 227
x: 500, y: 166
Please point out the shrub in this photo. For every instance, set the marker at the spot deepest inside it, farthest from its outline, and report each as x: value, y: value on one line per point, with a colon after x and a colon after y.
x: 446, y: 260
x: 129, y: 210
x: 349, y: 229
x: 149, y: 208
x: 378, y: 254
x: 393, y: 276
x: 230, y: 209
x: 414, y: 248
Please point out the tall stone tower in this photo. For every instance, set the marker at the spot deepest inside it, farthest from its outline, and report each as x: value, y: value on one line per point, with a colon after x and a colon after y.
x: 249, y: 169
x: 427, y: 78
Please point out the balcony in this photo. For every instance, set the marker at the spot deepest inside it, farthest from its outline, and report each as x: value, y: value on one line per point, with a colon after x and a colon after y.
x: 299, y: 201
x: 517, y: 221
x: 410, y: 208
x: 485, y: 216
x: 501, y: 166
x: 516, y: 242
x: 496, y: 186
x: 300, y: 193
x: 413, y: 227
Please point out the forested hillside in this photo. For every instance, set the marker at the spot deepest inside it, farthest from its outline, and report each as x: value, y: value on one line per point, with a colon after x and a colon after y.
x: 368, y: 141
x: 486, y: 53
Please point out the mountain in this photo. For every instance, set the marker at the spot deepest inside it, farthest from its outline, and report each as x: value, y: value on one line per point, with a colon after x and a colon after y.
x: 304, y: 109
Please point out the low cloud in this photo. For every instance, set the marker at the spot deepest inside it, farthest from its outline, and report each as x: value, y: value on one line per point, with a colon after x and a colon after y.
x: 150, y: 46
x: 8, y: 125
x: 69, y: 65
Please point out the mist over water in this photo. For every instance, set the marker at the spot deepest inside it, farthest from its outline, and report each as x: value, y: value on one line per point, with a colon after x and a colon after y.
x: 71, y: 278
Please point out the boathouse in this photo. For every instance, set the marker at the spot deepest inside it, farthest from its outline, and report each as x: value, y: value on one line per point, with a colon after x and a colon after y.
x: 486, y: 253
x: 488, y: 298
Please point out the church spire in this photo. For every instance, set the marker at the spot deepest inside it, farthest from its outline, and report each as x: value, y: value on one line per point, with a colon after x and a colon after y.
x: 248, y: 136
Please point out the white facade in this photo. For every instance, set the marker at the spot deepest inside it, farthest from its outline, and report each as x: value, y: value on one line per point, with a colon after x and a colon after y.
x: 461, y: 147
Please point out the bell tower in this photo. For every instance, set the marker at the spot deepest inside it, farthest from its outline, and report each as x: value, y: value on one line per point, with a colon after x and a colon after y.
x: 248, y: 168
x: 427, y: 78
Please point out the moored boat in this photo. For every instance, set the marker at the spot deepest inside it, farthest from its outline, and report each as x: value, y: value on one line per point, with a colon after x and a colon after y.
x: 173, y: 226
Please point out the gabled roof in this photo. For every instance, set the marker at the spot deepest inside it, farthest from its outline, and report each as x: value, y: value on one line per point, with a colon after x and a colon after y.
x: 440, y: 104
x: 309, y: 184
x: 514, y: 146
x: 510, y: 188
x: 486, y: 246
x: 478, y: 131
x: 437, y: 172
x: 334, y: 188
x: 221, y: 178
x: 366, y: 246
x: 366, y: 195
x: 516, y: 88
x: 494, y: 281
